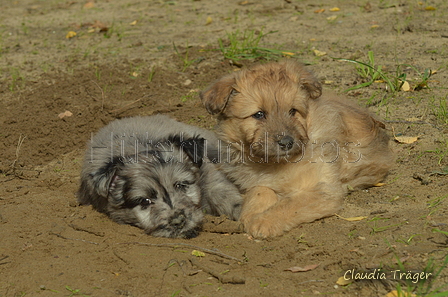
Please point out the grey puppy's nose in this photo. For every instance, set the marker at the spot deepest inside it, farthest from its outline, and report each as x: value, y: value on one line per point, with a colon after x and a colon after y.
x: 286, y: 142
x: 178, y: 220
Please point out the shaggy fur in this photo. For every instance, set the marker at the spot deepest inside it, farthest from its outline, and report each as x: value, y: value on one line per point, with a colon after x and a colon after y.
x: 292, y: 151
x: 153, y: 172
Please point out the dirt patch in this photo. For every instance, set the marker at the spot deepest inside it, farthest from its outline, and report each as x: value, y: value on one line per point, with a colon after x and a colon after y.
x: 154, y: 57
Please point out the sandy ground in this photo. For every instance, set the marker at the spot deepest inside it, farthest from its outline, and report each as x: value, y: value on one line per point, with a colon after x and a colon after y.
x: 145, y: 57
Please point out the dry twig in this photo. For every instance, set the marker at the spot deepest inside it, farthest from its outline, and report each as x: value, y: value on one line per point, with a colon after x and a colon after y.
x: 4, y: 258
x: 119, y: 257
x: 19, y: 145
x: 77, y: 228
x: 63, y: 237
x: 224, y: 279
x: 118, y: 109
x: 216, y: 253
x: 102, y: 94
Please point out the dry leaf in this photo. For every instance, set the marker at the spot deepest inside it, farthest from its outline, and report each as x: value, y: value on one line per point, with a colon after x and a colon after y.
x: 406, y: 87
x: 65, y: 114
x: 319, y: 53
x: 342, y: 281
x: 89, y: 4
x: 100, y: 25
x: 70, y: 34
x: 288, y: 54
x: 198, y: 253
x: 406, y: 139
x: 332, y: 18
x: 374, y: 26
x: 368, y: 7
x: 352, y: 219
x: 209, y: 20
x: 334, y: 9
x: 302, y: 269
x: 430, y: 8
x: 319, y: 10
x: 134, y: 74
x: 379, y: 184
x: 133, y: 23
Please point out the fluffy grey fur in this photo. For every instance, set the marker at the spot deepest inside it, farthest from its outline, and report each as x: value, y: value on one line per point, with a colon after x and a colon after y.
x: 154, y: 173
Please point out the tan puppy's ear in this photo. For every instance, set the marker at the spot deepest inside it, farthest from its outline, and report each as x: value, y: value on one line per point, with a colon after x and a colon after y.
x: 216, y: 96
x: 311, y: 84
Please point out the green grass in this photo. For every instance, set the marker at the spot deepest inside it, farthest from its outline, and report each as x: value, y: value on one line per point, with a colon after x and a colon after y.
x: 423, y: 77
x: 245, y: 45
x: 407, y: 241
x: 25, y: 28
x: 371, y: 72
x: 116, y: 29
x: 151, y: 74
x: 436, y: 201
x: 433, y: 206
x: 440, y: 152
x: 301, y: 239
x: 186, y: 60
x: 440, y: 109
x: 190, y: 96
x: 425, y: 286
x: 75, y: 292
x: 98, y: 73
x: 376, y: 228
x: 17, y: 79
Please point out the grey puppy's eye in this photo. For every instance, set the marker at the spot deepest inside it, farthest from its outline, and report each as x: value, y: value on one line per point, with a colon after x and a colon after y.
x: 259, y: 115
x: 145, y: 202
x: 182, y: 185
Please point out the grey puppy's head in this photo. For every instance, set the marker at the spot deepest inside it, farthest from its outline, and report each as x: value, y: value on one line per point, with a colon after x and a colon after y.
x: 156, y: 190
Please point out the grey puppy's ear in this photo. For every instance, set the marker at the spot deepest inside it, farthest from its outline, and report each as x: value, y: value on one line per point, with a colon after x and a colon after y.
x: 216, y: 96
x: 194, y: 147
x: 103, y: 177
x: 95, y: 185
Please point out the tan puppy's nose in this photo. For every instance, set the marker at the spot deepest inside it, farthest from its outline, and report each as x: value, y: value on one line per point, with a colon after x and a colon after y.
x: 286, y: 142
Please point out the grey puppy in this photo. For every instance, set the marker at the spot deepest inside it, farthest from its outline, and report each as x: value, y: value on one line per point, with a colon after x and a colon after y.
x: 155, y: 173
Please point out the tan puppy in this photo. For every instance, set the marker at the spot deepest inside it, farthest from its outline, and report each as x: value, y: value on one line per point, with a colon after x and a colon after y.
x: 291, y: 151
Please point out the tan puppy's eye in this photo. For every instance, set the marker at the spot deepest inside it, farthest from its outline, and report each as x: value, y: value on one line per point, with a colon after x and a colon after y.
x: 259, y: 115
x: 293, y: 111
x: 234, y: 92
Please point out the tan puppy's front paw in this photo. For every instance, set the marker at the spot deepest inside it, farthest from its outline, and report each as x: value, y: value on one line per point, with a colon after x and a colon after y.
x: 262, y: 226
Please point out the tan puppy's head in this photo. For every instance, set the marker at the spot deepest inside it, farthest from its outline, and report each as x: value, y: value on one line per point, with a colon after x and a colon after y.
x: 262, y: 110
